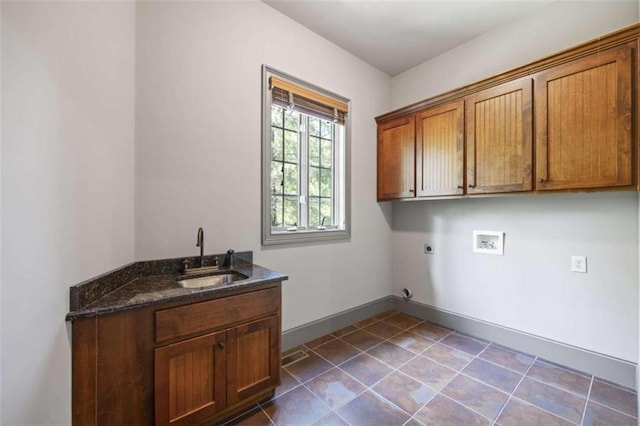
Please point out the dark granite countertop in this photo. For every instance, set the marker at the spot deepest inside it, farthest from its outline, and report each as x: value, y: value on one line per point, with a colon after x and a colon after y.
x: 155, y: 282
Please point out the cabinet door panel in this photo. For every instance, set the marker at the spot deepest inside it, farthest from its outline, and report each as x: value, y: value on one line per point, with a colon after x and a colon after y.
x: 253, y: 358
x: 190, y: 380
x: 396, y: 159
x: 440, y: 150
x: 583, y: 116
x: 499, y: 138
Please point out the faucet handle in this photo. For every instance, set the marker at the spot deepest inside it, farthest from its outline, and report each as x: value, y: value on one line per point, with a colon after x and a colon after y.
x: 185, y: 265
x: 228, y: 259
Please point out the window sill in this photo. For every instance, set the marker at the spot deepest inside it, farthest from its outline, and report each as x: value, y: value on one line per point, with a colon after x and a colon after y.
x: 303, y: 236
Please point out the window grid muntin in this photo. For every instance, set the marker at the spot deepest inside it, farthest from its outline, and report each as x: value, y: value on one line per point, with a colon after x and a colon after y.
x: 279, y: 222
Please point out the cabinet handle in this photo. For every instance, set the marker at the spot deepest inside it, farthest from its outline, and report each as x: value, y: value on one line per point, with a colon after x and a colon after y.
x: 471, y: 186
x: 411, y: 190
x: 221, y: 345
x: 460, y: 186
x: 540, y: 180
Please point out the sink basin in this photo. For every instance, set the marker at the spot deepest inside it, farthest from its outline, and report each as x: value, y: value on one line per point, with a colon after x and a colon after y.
x: 220, y: 278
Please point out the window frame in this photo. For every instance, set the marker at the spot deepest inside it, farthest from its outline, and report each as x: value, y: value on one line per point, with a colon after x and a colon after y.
x: 272, y: 236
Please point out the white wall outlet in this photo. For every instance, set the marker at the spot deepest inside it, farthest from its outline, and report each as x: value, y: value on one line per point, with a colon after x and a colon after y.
x: 429, y: 248
x: 579, y: 264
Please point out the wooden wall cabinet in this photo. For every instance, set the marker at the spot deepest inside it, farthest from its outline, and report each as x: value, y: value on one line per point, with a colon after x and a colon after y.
x: 564, y: 123
x: 182, y: 364
x: 583, y: 122
x: 440, y: 150
x: 499, y: 129
x: 396, y: 159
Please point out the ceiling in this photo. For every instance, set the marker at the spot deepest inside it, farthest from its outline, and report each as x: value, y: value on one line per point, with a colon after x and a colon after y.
x: 395, y: 35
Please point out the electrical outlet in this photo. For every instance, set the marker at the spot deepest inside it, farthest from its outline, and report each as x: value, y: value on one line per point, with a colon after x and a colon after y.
x: 579, y: 264
x: 428, y: 248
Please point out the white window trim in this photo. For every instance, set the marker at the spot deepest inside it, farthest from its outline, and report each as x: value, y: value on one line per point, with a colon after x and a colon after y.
x: 269, y: 237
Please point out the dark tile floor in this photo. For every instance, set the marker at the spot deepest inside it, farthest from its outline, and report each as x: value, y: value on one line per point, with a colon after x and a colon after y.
x: 394, y: 369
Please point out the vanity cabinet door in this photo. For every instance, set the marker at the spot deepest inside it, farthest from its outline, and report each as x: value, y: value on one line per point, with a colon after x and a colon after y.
x: 396, y: 159
x: 499, y: 138
x: 253, y: 358
x: 190, y: 380
x: 583, y: 121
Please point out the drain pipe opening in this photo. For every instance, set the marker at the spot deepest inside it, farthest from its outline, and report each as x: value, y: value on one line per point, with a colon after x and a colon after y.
x: 407, y: 294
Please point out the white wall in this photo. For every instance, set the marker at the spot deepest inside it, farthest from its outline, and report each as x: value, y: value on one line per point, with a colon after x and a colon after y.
x: 67, y: 184
x: 198, y: 103
x: 530, y: 288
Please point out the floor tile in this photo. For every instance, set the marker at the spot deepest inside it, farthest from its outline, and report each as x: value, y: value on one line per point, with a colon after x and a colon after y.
x: 287, y: 382
x: 614, y: 397
x: 411, y: 342
x: 383, y: 329
x: 319, y: 341
x: 366, y: 368
x: 512, y: 360
x: 335, y: 388
x: 413, y: 422
x: 428, y: 372
x: 464, y: 343
x: 560, y: 377
x: 405, y: 392
x: 448, y: 356
x: 254, y: 417
x: 343, y: 331
x: 475, y: 395
x: 402, y: 321
x: 297, y: 407
x: 442, y: 411
x: 519, y: 413
x: 391, y: 354
x: 493, y: 375
x: 296, y: 349
x: 385, y: 314
x: 430, y: 331
x: 369, y: 409
x: 361, y: 339
x: 336, y: 351
x: 309, y: 367
x: 556, y: 401
x: 331, y: 419
x: 599, y: 415
x: 366, y: 322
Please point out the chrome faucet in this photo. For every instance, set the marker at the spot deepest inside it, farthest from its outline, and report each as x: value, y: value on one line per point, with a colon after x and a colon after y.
x: 200, y: 243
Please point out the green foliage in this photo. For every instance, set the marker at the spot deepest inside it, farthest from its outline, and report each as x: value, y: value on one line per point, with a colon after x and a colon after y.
x: 291, y: 120
x: 276, y: 144
x: 291, y: 179
x: 291, y: 148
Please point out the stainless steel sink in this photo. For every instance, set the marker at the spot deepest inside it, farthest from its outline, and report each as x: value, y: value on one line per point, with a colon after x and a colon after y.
x: 220, y: 278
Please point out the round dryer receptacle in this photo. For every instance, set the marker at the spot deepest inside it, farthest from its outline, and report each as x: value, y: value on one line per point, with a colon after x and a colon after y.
x: 407, y: 294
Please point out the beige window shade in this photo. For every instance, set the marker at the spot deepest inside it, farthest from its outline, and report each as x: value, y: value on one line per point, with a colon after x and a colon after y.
x: 306, y: 101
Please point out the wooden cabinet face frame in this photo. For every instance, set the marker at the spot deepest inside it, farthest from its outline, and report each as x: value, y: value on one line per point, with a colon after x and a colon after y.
x: 440, y: 150
x: 584, y: 122
x: 499, y: 132
x: 396, y: 159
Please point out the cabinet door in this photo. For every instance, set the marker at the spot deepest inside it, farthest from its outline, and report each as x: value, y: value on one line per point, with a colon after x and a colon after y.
x: 499, y: 138
x: 440, y: 150
x: 190, y: 380
x: 583, y: 122
x: 396, y: 159
x: 253, y: 358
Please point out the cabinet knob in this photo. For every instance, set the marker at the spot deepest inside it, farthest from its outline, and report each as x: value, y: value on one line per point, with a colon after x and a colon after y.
x: 460, y: 187
x: 471, y: 186
x: 411, y: 190
x: 221, y: 345
x: 540, y: 180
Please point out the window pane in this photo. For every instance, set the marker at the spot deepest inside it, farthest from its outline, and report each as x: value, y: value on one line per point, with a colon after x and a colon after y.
x: 314, y: 126
x: 291, y: 147
x: 314, y: 211
x: 276, y: 116
x: 276, y: 144
x: 276, y: 211
x: 325, y: 153
x: 291, y: 179
x: 276, y: 177
x: 291, y: 120
x: 325, y: 183
x: 290, y: 211
x: 314, y: 151
x: 326, y: 129
x: 325, y: 210
x: 314, y: 181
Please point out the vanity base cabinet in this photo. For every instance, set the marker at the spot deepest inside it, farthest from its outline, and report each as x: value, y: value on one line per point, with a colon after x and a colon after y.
x: 122, y: 375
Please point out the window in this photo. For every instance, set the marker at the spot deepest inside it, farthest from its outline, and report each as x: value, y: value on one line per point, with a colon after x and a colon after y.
x: 305, y: 158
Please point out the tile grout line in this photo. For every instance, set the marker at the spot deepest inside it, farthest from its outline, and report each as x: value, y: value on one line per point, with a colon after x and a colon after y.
x: 614, y: 409
x: 495, y: 421
x: 586, y: 402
